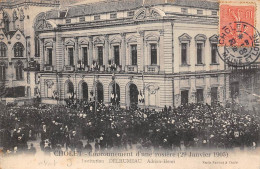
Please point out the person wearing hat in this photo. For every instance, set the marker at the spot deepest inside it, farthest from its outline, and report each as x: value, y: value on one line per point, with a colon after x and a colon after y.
x: 31, y: 150
x: 96, y: 145
x: 88, y: 147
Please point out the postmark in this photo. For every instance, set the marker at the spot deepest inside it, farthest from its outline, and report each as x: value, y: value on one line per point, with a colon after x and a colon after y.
x: 238, y: 43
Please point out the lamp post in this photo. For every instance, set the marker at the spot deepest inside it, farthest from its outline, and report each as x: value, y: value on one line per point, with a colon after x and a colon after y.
x: 95, y: 91
x: 143, y: 90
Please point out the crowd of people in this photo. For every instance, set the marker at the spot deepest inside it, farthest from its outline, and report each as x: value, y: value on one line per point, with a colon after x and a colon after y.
x: 107, y: 128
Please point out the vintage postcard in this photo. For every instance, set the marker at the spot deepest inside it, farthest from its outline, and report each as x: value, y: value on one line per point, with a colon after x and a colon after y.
x: 171, y: 84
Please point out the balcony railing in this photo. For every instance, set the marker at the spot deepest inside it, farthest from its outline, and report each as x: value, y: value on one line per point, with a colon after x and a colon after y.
x: 69, y: 68
x: 131, y: 68
x: 48, y: 68
x: 152, y: 69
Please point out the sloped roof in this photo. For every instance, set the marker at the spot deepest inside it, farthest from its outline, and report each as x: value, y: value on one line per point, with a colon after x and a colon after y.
x: 14, y: 2
x: 120, y: 5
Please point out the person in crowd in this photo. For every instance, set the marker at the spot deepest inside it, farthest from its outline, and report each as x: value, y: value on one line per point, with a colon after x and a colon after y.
x: 88, y: 147
x: 188, y: 126
x: 31, y: 150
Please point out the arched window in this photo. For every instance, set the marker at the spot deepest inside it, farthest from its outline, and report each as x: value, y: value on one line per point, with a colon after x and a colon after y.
x: 19, y: 70
x: 3, y: 49
x: 2, y: 71
x: 18, y: 49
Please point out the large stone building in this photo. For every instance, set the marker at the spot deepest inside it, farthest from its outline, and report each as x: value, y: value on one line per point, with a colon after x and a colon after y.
x: 162, y: 52
x: 17, y: 45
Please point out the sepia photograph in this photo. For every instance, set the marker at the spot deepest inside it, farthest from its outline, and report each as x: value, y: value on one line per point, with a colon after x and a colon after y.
x: 171, y: 84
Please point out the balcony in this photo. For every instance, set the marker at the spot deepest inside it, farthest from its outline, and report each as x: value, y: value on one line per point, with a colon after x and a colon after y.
x: 87, y: 68
x: 131, y: 69
x: 48, y: 68
x: 69, y: 68
x: 152, y: 69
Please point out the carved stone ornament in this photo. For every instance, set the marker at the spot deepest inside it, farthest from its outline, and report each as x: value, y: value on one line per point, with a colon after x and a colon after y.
x: 152, y: 89
x: 41, y: 22
x: 18, y: 36
x: 147, y: 13
x: 209, y: 92
x: 49, y: 83
x: 98, y: 40
x: 185, y: 37
x: 214, y: 39
x: 22, y: 15
x: 132, y: 39
x: 83, y: 41
x: 15, y: 17
x: 177, y: 97
x: 69, y: 42
x: 193, y: 95
x: 1, y: 36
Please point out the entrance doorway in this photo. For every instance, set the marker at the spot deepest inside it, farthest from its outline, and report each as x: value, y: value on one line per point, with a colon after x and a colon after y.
x: 99, y: 92
x: 133, y: 94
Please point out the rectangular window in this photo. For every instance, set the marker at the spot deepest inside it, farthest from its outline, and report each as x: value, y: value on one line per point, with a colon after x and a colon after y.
x: 71, y: 57
x: 97, y: 17
x: 100, y: 55
x: 19, y: 73
x: 184, y: 97
x: 214, y: 12
x: 184, y: 10
x: 184, y: 53
x: 85, y: 56
x: 49, y: 59
x: 234, y: 88
x: 199, y: 96
x: 200, y: 12
x: 214, y: 95
x: 130, y: 13
x: 2, y: 73
x: 37, y: 46
x: 116, y: 55
x: 213, y: 53
x: 199, y: 53
x: 134, y: 54
x: 68, y: 20
x: 82, y: 19
x: 153, y: 54
x: 113, y: 15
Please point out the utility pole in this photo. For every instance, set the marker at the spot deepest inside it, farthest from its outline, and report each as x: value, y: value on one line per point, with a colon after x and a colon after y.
x: 143, y: 90
x: 95, y: 91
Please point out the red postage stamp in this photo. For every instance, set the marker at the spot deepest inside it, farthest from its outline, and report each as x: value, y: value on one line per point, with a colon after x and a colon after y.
x: 236, y: 25
x: 239, y: 43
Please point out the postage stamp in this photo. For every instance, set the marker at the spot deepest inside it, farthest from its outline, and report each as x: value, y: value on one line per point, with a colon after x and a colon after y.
x: 238, y: 38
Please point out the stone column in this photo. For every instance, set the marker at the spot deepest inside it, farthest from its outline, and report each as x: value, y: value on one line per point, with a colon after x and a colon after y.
x: 161, y: 50
x: 106, y: 52
x: 42, y: 57
x: 176, y: 90
x: 76, y: 52
x: 54, y: 61
x: 207, y: 89
x: 193, y: 91
x: 123, y: 51
x: 63, y: 53
x: 140, y: 59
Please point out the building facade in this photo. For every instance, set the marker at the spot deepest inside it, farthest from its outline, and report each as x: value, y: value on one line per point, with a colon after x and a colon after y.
x: 151, y: 54
x: 17, y: 46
